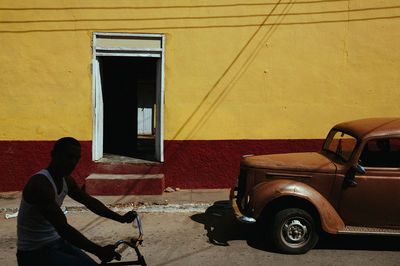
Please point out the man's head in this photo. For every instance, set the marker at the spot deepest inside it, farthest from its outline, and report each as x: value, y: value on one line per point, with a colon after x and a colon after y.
x: 65, y: 155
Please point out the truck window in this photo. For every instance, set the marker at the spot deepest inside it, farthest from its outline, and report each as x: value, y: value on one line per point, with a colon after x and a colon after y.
x: 384, y: 152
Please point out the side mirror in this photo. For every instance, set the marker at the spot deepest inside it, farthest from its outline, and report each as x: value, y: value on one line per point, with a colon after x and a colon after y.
x: 349, y: 179
x: 359, y: 169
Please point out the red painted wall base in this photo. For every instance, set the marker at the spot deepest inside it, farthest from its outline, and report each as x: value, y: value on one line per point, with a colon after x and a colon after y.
x: 215, y: 163
x: 21, y: 159
x: 189, y: 164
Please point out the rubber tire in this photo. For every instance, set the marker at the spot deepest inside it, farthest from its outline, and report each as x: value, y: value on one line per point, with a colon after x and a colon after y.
x: 277, y: 224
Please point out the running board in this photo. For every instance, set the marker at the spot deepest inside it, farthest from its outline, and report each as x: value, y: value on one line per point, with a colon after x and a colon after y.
x: 358, y: 230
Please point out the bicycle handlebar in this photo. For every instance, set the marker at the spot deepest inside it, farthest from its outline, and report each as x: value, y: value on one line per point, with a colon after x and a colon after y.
x: 133, y: 242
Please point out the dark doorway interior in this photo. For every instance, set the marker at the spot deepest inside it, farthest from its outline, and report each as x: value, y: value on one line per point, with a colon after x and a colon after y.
x: 121, y: 77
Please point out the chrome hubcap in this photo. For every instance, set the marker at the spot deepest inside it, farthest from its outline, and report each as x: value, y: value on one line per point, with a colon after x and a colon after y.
x: 295, y: 232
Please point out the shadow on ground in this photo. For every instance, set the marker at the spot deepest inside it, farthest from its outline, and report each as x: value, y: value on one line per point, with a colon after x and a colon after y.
x: 222, y: 227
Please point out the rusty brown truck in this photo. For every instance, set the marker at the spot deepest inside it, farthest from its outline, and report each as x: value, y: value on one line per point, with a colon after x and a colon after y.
x: 351, y: 186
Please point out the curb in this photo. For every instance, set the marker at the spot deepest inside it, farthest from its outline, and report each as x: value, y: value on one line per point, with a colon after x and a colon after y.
x: 181, y: 201
x: 168, y: 208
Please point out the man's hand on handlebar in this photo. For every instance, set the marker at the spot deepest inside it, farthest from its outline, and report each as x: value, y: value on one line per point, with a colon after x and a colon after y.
x: 108, y: 253
x: 128, y: 217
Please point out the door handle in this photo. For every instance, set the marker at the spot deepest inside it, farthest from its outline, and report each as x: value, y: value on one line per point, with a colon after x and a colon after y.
x: 348, y: 182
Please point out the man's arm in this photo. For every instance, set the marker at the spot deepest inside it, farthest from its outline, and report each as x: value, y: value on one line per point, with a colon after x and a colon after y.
x: 95, y: 205
x: 40, y: 192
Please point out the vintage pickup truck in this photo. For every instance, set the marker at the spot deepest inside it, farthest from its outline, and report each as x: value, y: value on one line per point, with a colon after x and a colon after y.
x: 351, y: 186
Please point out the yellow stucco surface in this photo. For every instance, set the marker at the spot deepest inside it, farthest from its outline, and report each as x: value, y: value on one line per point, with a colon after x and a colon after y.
x: 233, y: 69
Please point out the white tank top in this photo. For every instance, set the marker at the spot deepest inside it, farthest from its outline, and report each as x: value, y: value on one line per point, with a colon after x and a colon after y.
x: 33, y: 230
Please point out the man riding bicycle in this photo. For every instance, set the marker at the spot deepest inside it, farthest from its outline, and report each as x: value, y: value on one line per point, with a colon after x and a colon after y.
x: 44, y: 235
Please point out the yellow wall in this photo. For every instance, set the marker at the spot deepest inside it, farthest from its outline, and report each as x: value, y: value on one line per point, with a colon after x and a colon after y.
x: 257, y: 70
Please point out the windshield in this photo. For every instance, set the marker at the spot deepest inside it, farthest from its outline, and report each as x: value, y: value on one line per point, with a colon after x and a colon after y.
x: 340, y: 144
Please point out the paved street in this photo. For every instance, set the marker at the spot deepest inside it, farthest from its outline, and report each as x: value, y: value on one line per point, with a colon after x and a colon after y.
x: 213, y: 237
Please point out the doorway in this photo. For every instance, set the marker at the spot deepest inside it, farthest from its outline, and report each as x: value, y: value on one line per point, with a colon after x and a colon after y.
x: 128, y: 76
x: 129, y: 89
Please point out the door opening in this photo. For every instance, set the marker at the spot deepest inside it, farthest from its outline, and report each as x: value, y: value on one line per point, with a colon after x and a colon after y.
x: 129, y: 89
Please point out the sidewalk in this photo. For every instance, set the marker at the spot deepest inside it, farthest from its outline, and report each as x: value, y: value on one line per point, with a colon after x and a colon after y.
x: 185, y: 198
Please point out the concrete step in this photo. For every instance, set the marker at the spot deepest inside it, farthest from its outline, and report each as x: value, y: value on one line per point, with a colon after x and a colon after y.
x: 127, y: 168
x: 125, y: 184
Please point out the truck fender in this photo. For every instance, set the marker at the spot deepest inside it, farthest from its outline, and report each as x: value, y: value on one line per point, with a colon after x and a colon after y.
x: 266, y: 192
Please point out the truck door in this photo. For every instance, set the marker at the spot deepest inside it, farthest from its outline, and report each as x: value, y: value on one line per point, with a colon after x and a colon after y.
x: 374, y: 198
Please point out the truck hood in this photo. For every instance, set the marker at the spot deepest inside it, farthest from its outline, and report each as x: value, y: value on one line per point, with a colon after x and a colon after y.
x: 303, y: 161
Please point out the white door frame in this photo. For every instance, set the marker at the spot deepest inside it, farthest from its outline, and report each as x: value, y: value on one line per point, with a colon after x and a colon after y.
x: 131, y: 51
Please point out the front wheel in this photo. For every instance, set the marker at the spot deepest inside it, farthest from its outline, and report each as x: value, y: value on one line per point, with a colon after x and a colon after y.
x: 294, y: 231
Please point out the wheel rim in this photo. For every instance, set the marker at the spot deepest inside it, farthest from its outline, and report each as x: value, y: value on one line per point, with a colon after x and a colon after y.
x: 295, y: 232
